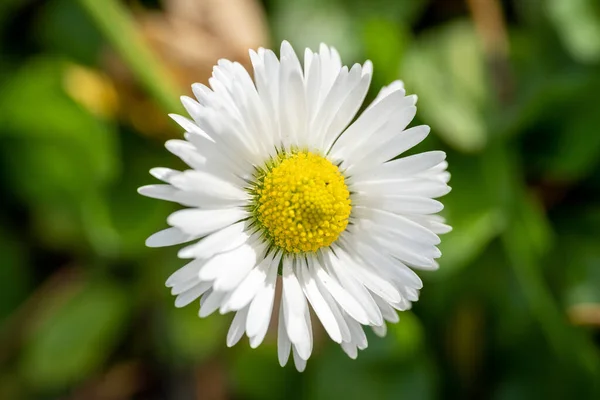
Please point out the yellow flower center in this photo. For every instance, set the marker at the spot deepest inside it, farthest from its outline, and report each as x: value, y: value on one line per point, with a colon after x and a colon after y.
x: 302, y: 202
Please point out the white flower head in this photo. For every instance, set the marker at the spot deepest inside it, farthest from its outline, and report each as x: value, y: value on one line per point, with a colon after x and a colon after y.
x: 283, y: 183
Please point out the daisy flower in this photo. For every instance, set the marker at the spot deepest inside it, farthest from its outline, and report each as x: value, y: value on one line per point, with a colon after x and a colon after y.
x: 287, y: 187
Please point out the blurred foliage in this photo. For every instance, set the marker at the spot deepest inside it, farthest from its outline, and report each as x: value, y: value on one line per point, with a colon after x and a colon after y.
x: 514, y: 311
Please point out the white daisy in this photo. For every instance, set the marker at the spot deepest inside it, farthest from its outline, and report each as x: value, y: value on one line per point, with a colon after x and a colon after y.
x: 283, y: 183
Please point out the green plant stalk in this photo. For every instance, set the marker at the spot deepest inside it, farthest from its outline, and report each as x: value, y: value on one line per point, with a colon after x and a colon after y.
x: 117, y: 25
x: 525, y: 257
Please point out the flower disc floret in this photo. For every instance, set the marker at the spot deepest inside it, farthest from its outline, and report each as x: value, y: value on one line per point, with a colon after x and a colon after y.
x: 302, y: 202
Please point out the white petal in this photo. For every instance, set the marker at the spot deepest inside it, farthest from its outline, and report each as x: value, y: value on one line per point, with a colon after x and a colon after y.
x: 318, y: 303
x: 187, y: 152
x: 331, y: 303
x: 262, y: 304
x: 435, y: 223
x: 253, y: 282
x: 236, y: 330
x: 283, y: 342
x: 357, y: 159
x: 220, y: 241
x: 416, y: 186
x: 164, y: 174
x: 388, y: 312
x: 244, y: 255
x: 169, y: 193
x: 185, y: 273
x: 389, y: 266
x: 341, y: 296
x: 412, y: 294
x: 402, y: 167
x: 330, y: 67
x: 313, y: 84
x: 220, y: 160
x: 368, y: 277
x: 396, y: 145
x: 358, y: 335
x: 408, y: 253
x: 348, y: 108
x: 440, y: 228
x: 292, y: 114
x: 355, y: 288
x: 188, y: 125
x: 184, y: 286
x: 299, y: 362
x: 398, y: 204
x: 339, y: 106
x: 192, y: 107
x: 350, y: 349
x: 209, y: 185
x: 295, y: 305
x: 191, y: 294
x: 387, y: 90
x: 210, y: 302
x: 257, y: 339
x: 238, y: 271
x: 168, y: 237
x: 368, y: 123
x: 201, y: 222
x: 397, y: 224
x: 202, y: 93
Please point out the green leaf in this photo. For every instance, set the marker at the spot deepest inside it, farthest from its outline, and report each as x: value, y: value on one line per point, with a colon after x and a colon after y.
x: 60, y: 157
x: 561, y: 146
x: 332, y: 375
x: 59, y: 22
x: 309, y: 23
x: 385, y: 44
x: 15, y: 277
x: 526, y: 240
x: 446, y: 68
x: 35, y: 107
x: 578, y: 25
x: 578, y: 149
x: 191, y: 338
x: 470, y: 236
x: 249, y: 363
x: 76, y: 335
x: 472, y: 210
x: 525, y: 262
x: 578, y: 235
x: 406, y: 336
x: 136, y: 217
x: 534, y: 224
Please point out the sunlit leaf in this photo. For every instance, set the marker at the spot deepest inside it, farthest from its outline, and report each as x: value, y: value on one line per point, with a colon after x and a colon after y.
x: 445, y: 67
x: 75, y: 336
x: 308, y: 23
x: 61, y: 156
x: 578, y: 24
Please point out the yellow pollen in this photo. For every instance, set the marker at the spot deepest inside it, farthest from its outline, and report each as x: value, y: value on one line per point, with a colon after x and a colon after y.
x: 303, y: 202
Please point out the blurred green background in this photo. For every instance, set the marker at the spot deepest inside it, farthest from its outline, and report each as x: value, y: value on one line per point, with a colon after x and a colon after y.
x: 511, y: 91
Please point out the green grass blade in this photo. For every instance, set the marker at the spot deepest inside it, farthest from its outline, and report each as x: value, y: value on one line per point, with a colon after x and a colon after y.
x: 116, y: 23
